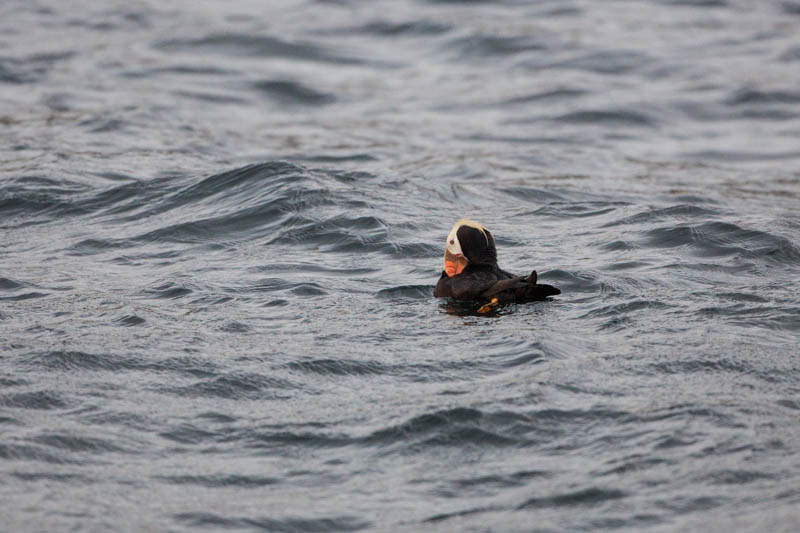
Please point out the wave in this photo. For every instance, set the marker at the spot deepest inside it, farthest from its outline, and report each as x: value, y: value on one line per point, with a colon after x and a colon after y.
x: 235, y: 386
x: 717, y: 238
x: 681, y: 211
x: 275, y: 201
x: 33, y: 400
x: 590, y: 496
x: 76, y: 361
x: 418, y: 292
x: 609, y: 62
x: 340, y: 367
x: 293, y: 93
x: 619, y: 117
x: 221, y: 480
x: 73, y: 443
x: 750, y: 96
x: 289, y: 525
x: 480, y: 46
x: 386, y: 28
x: 30, y: 69
x: 239, y: 44
x: 35, y: 199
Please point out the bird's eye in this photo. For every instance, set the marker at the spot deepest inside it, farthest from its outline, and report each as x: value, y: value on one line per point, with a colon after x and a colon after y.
x: 452, y: 241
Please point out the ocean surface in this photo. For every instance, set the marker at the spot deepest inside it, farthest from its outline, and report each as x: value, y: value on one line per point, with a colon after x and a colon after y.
x: 221, y: 224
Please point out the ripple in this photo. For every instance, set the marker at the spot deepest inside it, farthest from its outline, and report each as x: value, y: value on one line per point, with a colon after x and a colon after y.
x: 236, y: 386
x: 793, y: 53
x: 530, y: 194
x: 607, y: 62
x: 235, y: 327
x: 9, y: 284
x: 20, y: 452
x: 289, y: 525
x: 770, y: 317
x: 129, y: 320
x: 340, y: 234
x: 35, y: 199
x: 181, y: 69
x: 8, y: 421
x: 714, y: 239
x: 250, y: 202
x: 577, y: 209
x: 340, y: 367
x: 698, y: 3
x: 73, y: 360
x: 275, y: 441
x: 738, y: 477
x: 222, y: 480
x: 453, y: 427
x: 214, y: 97
x: 413, y: 292
x: 282, y: 285
x: 237, y: 183
x: 103, y: 124
x: 577, y: 282
x: 746, y: 96
x: 97, y: 246
x: 256, y: 46
x: 308, y: 290
x: 293, y: 93
x: 703, y: 365
x: 32, y: 400
x: 565, y: 93
x: 603, y: 117
x: 70, y: 479
x: 618, y: 246
x: 584, y: 497
x: 23, y: 296
x: 492, y: 46
x: 75, y: 443
x: 169, y: 291
x: 399, y: 29
x: 682, y: 211
x: 30, y: 69
x: 625, y: 308
x: 448, y: 427
x: 515, y: 479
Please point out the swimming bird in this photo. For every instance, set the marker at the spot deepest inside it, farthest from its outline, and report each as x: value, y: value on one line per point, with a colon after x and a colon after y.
x: 471, y: 271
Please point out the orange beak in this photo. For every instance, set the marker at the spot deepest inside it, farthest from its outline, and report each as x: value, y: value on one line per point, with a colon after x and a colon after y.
x: 454, y: 264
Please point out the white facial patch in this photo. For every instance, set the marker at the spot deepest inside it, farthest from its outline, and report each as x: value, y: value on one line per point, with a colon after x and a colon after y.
x: 453, y: 246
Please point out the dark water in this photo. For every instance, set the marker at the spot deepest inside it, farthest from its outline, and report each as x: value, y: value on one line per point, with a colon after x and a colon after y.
x: 221, y: 223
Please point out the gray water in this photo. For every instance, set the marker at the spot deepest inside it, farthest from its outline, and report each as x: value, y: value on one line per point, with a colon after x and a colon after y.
x: 221, y: 224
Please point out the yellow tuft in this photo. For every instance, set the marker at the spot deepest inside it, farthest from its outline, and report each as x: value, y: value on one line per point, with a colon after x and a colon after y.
x: 473, y: 224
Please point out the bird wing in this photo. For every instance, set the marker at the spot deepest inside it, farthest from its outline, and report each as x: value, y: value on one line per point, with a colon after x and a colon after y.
x: 462, y: 287
x: 465, y: 289
x: 518, y: 288
x: 517, y: 282
x: 521, y: 289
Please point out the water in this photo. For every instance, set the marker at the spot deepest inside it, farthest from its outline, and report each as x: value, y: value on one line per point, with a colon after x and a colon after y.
x: 221, y: 224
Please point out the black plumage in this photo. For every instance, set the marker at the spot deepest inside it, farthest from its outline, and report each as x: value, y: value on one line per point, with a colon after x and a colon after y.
x: 483, y: 279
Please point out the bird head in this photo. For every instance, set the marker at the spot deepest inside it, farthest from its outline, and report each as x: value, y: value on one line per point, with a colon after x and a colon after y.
x: 468, y: 243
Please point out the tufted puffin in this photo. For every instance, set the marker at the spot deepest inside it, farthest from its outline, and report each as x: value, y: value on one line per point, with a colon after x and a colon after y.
x: 471, y: 271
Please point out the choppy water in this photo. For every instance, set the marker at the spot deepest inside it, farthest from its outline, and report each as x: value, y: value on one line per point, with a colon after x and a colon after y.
x: 221, y: 223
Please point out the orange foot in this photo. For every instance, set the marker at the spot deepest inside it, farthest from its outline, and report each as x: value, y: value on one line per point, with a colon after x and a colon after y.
x: 488, y: 307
